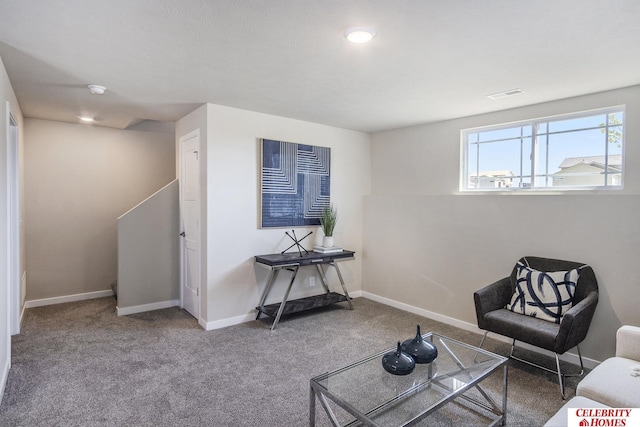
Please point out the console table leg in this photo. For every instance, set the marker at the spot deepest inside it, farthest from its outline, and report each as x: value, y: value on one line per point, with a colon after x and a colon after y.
x: 344, y: 288
x: 323, y: 278
x: 273, y: 274
x: 284, y: 299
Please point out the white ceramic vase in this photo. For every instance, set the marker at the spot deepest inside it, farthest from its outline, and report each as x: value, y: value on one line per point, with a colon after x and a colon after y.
x: 327, y: 242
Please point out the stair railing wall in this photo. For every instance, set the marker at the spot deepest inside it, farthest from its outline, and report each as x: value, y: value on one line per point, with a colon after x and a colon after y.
x: 149, y: 253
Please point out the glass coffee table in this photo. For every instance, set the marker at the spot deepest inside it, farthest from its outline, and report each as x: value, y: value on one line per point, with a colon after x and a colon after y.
x: 374, y: 397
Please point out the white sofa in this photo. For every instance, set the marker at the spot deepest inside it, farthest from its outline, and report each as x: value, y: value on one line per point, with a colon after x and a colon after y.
x: 615, y: 383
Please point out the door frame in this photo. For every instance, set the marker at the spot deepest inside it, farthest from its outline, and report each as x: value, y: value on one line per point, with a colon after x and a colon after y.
x: 183, y: 247
x: 13, y: 222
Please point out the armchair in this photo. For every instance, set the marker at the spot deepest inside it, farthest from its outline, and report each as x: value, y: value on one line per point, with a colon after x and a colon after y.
x: 493, y: 316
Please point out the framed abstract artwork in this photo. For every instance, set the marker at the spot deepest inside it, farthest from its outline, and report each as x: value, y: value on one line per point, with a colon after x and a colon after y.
x: 295, y: 183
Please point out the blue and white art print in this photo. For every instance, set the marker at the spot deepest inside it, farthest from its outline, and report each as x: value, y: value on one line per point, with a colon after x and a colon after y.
x: 295, y: 183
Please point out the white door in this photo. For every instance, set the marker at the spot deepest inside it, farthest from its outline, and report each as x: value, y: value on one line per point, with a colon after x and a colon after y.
x: 190, y: 212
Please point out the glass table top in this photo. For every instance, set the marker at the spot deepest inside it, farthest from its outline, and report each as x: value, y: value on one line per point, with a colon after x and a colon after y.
x: 390, y: 400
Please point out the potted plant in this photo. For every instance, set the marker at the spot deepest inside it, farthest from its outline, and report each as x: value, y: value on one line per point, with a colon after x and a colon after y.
x: 328, y: 222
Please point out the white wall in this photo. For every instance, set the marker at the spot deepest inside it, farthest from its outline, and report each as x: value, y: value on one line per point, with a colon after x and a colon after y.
x: 6, y: 96
x: 78, y: 180
x: 233, y: 283
x: 149, y: 253
x: 429, y: 247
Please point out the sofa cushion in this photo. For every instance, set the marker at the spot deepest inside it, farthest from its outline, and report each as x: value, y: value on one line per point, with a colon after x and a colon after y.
x: 543, y: 295
x: 560, y: 419
x: 614, y: 382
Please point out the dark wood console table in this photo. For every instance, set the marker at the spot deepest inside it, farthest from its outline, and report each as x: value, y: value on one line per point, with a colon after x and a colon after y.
x: 292, y: 262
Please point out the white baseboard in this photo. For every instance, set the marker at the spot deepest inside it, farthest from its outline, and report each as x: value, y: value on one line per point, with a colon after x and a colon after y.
x: 568, y: 357
x: 422, y: 312
x: 124, y: 311
x: 67, y: 298
x: 202, y: 323
x: 223, y: 323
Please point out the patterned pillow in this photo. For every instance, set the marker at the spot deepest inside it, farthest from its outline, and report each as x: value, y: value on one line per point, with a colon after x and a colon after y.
x: 544, y: 295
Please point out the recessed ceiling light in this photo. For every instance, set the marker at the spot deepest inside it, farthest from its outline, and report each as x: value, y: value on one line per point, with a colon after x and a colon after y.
x: 505, y: 93
x: 86, y: 119
x: 360, y: 34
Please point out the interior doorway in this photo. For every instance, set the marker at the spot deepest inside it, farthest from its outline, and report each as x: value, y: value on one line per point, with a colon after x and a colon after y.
x: 16, y: 284
x: 190, y: 215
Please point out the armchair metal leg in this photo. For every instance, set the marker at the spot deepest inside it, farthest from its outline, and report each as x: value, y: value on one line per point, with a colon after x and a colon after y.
x: 558, y: 372
x: 561, y: 376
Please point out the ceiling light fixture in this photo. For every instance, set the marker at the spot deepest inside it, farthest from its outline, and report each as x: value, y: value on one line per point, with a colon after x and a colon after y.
x: 505, y: 94
x: 86, y: 119
x: 360, y: 34
x: 96, y: 89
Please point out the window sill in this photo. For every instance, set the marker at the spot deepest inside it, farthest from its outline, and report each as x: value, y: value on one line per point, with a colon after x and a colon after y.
x: 543, y: 191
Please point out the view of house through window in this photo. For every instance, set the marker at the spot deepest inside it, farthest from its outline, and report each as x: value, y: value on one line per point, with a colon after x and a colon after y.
x: 579, y: 150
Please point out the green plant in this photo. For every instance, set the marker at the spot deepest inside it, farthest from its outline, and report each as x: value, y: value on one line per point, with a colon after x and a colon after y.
x: 615, y: 135
x: 328, y: 220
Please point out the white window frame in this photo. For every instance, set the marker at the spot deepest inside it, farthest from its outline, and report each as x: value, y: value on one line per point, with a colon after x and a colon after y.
x: 535, y: 141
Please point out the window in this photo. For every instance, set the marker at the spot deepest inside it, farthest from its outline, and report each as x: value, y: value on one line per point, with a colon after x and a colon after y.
x: 582, y: 150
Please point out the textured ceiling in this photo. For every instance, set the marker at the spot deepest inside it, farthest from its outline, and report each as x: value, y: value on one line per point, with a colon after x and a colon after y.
x: 431, y: 59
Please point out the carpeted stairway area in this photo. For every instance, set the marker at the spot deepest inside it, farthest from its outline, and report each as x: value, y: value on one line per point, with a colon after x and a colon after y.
x: 78, y: 364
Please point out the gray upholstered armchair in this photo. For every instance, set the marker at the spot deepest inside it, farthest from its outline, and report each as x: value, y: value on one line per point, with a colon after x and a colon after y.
x: 493, y: 315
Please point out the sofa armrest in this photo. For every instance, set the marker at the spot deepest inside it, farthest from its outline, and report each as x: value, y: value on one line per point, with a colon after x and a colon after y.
x: 575, y: 323
x: 628, y: 342
x: 492, y: 297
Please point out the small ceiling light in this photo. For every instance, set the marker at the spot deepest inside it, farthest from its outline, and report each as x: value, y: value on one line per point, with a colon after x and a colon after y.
x: 505, y: 94
x: 96, y: 89
x: 360, y: 34
x: 86, y: 119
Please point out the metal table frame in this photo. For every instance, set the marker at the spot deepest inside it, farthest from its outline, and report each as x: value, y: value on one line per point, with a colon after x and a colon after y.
x: 316, y: 390
x: 291, y: 262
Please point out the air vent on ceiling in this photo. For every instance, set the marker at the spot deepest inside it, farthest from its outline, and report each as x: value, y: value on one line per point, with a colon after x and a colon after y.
x: 505, y: 93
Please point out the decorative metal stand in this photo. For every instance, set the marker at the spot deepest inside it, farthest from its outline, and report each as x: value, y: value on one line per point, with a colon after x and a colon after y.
x: 296, y: 242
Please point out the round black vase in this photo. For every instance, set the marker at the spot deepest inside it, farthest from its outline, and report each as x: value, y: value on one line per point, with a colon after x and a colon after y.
x: 398, y: 362
x: 422, y: 351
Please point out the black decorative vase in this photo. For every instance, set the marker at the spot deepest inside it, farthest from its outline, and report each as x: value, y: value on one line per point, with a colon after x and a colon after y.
x: 422, y: 351
x: 398, y: 362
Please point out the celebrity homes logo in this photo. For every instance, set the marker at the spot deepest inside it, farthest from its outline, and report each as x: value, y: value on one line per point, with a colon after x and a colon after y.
x: 603, y: 417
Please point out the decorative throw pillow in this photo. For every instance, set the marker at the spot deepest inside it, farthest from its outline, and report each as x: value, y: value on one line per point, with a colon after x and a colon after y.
x: 544, y: 295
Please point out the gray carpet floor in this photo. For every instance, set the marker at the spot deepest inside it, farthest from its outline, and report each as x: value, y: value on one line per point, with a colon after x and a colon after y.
x: 78, y: 364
